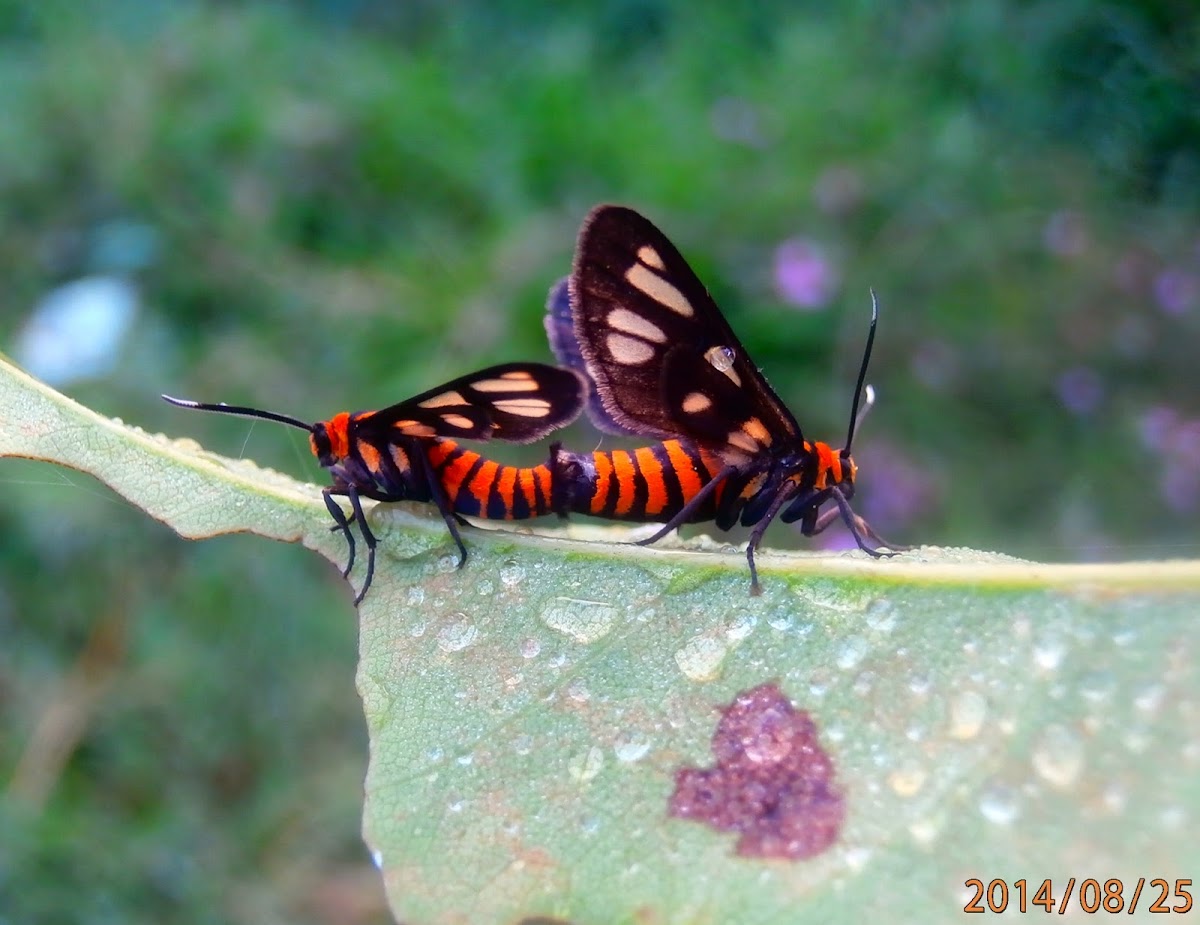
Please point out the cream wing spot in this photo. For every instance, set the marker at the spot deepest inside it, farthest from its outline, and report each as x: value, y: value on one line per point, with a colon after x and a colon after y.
x: 457, y: 420
x: 695, y: 402
x: 742, y: 441
x: 632, y: 323
x: 524, y: 407
x: 441, y: 401
x: 664, y: 293
x: 628, y: 351
x: 754, y: 429
x: 415, y: 429
x: 520, y: 382
x: 650, y: 257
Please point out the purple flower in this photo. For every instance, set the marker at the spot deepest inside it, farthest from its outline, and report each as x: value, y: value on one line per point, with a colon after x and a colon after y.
x: 1176, y: 290
x: 1156, y: 427
x: 804, y: 276
x: 1081, y: 390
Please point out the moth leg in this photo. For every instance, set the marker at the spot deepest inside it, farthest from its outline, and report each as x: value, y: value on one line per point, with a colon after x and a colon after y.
x: 784, y: 496
x: 368, y: 538
x: 685, y: 513
x: 450, y: 516
x: 858, y: 528
x: 341, y: 522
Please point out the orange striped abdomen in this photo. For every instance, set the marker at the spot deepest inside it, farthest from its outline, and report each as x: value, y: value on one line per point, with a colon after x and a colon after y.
x: 651, y: 483
x: 480, y: 487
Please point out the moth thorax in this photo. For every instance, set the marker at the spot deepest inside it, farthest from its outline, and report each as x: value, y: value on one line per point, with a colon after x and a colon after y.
x: 832, y: 467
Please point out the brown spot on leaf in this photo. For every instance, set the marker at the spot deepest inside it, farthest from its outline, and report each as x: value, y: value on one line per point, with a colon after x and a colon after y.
x: 772, y: 784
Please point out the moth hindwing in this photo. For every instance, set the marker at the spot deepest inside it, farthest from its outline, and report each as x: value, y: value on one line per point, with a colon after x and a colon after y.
x: 663, y: 358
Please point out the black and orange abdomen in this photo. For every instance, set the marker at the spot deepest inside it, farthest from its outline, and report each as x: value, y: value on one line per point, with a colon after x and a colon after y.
x: 647, y: 484
x: 481, y: 487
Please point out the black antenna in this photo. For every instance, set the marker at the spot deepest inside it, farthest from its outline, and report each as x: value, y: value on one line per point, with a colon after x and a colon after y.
x: 240, y: 411
x: 862, y: 372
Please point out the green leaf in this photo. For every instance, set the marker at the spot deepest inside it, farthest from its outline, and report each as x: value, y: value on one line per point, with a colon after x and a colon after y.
x: 984, y: 717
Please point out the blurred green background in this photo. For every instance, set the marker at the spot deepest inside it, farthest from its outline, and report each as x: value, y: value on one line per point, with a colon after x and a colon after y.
x: 333, y: 204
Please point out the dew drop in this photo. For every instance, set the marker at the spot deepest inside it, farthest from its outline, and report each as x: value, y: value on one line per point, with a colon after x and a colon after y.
x: 907, y: 780
x: 530, y: 648
x: 584, y: 621
x: 998, y: 805
x: 585, y: 767
x: 1097, y: 687
x: 857, y: 858
x: 511, y: 574
x: 1149, y: 698
x: 417, y: 630
x: 1114, y: 798
x: 924, y: 831
x: 700, y: 659
x: 1058, y: 756
x: 485, y: 588
x: 578, y: 691
x: 1049, y: 650
x: 741, y: 626
x: 415, y: 596
x: 881, y: 616
x: 447, y: 564
x: 523, y: 744
x: 456, y: 806
x: 465, y: 760
x: 589, y: 825
x: 456, y: 636
x: 631, y: 746
x: 1136, y: 738
x: 721, y: 358
x: 434, y: 754
x: 851, y: 652
x: 967, y: 714
x: 1124, y: 636
x: 920, y: 684
x: 1173, y: 818
x: 781, y: 620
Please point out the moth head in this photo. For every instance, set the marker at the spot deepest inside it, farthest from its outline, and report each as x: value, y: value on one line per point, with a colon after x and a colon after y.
x: 329, y: 440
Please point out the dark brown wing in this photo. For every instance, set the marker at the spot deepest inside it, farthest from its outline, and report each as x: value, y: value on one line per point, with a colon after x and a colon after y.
x: 517, y: 402
x: 663, y: 358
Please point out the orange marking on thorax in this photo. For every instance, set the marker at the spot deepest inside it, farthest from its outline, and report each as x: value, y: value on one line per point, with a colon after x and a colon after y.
x: 456, y: 470
x: 626, y: 474
x: 481, y: 484
x: 652, y: 472
x: 603, y: 473
x: 337, y: 428
x: 684, y: 468
x: 504, y: 488
x: 370, y: 455
x: 828, y: 464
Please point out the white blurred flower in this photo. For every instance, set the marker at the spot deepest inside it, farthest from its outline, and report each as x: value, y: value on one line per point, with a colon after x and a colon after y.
x: 76, y: 331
